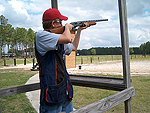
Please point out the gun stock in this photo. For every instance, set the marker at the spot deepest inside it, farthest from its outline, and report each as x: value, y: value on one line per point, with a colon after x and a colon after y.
x: 59, y: 30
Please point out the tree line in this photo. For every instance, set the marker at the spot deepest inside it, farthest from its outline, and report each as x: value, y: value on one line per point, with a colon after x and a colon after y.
x: 143, y: 49
x: 18, y: 40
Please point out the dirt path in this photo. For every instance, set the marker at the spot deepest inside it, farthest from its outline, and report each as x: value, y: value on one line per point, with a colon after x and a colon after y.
x: 27, y: 66
x: 113, y: 68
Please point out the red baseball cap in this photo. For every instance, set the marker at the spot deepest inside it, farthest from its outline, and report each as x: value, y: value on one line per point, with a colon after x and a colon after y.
x: 51, y: 14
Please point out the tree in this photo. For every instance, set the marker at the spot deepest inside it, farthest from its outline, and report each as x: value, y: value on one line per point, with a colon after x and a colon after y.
x: 148, y: 47
x: 12, y: 39
x: 23, y: 39
x: 3, y: 21
x: 30, y: 35
x: 93, y: 51
x: 145, y: 48
x: 9, y: 35
x: 131, y: 50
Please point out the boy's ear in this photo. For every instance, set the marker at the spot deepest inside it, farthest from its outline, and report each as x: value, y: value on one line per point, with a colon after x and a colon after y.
x: 53, y: 23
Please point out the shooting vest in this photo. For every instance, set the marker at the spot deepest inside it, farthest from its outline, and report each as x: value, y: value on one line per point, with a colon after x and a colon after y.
x: 54, y: 80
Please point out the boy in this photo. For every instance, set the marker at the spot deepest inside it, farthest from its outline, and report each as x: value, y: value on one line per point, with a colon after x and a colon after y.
x: 56, y: 89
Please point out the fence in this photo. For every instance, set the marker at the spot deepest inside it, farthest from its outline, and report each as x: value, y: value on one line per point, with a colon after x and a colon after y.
x: 100, y: 58
x: 14, y: 61
x: 99, y: 82
x: 79, y: 59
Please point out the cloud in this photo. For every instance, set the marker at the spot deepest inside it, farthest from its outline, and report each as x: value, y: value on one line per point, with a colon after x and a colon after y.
x: 19, y: 16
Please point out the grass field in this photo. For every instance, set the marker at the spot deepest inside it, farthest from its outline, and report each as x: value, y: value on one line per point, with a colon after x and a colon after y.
x: 140, y: 102
x: 82, y: 95
x: 15, y: 103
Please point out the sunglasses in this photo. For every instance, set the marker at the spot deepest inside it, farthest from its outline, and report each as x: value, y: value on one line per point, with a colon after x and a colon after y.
x: 58, y: 21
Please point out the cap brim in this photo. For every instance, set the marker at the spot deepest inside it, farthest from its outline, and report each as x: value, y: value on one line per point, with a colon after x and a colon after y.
x: 63, y: 17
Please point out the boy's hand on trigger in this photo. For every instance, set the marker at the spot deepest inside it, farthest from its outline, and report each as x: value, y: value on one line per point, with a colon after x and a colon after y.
x: 86, y: 25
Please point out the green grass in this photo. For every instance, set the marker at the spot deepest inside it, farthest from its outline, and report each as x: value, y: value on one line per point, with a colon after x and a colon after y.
x: 15, y: 103
x: 140, y: 102
x: 82, y: 95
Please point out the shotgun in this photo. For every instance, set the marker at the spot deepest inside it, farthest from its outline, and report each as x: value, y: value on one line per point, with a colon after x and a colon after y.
x: 60, y: 30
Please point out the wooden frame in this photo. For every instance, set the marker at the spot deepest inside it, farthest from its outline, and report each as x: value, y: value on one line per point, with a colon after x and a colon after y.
x: 107, y: 103
x: 125, y: 83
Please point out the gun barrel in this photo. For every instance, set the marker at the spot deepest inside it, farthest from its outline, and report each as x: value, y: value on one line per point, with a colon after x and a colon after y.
x: 80, y: 23
x: 91, y: 20
x: 97, y: 20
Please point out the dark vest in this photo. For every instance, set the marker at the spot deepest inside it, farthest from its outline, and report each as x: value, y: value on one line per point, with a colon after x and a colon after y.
x: 54, y: 80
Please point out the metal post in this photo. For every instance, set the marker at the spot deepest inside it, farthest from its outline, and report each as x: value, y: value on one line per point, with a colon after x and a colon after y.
x: 125, y: 50
x: 54, y: 4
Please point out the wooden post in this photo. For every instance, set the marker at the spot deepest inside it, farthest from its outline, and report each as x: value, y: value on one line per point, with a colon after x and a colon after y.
x: 125, y: 50
x: 81, y: 60
x: 24, y: 61
x: 98, y: 59
x: 54, y: 4
x: 105, y: 57
x: 4, y: 62
x: 14, y: 61
x: 91, y: 59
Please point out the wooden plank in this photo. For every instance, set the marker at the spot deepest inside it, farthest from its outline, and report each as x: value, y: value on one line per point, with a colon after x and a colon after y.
x: 18, y: 89
x: 109, y: 83
x: 107, y: 103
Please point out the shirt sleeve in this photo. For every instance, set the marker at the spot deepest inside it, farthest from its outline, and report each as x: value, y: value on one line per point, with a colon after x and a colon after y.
x: 46, y: 41
x: 68, y: 48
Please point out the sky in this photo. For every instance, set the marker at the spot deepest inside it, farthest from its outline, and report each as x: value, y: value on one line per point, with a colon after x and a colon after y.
x: 28, y: 14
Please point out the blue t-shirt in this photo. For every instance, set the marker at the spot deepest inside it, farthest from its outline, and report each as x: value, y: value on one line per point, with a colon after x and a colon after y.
x: 47, y: 41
